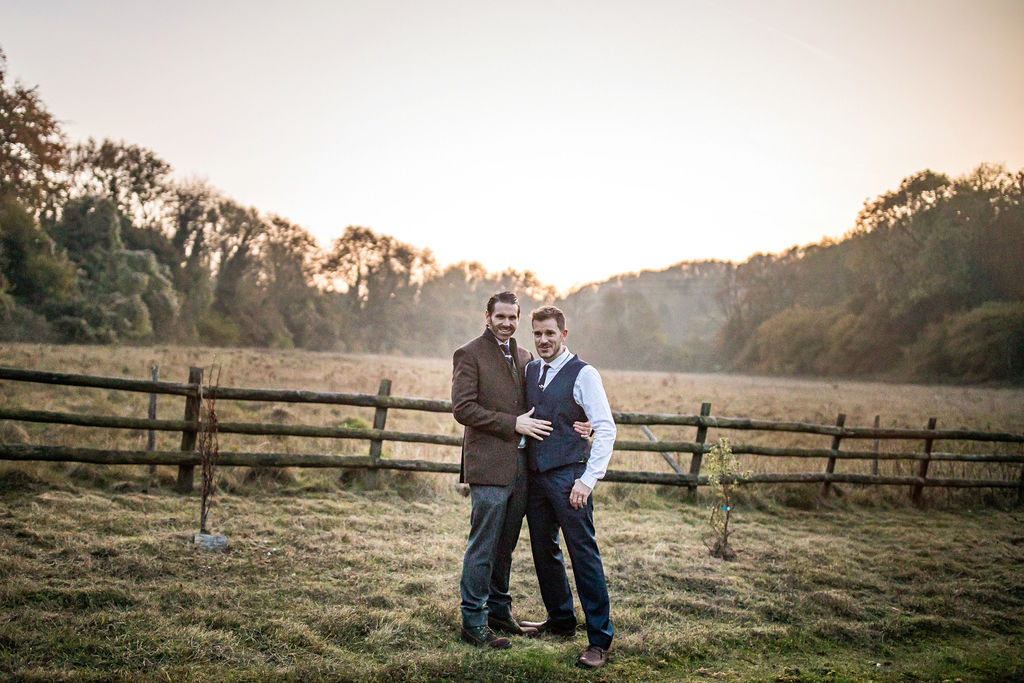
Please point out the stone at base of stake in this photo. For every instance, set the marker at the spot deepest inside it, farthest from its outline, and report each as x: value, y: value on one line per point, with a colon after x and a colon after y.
x: 210, y: 542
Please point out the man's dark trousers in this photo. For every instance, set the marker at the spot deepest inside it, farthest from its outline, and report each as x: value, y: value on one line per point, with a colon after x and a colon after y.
x: 549, y: 510
x: 494, y: 527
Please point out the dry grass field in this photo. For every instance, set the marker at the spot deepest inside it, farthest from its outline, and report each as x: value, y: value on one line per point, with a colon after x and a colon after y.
x: 326, y: 580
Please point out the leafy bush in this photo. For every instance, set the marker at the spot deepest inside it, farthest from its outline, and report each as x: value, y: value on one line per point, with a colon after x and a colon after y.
x: 981, y: 344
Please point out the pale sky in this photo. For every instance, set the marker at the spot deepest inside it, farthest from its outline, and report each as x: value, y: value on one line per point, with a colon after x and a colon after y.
x: 578, y: 139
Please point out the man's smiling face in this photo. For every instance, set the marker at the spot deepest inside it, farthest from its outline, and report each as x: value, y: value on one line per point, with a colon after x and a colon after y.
x: 548, y: 338
x: 503, y: 320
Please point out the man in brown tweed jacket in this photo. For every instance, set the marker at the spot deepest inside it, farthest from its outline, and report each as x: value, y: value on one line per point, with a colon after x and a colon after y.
x: 488, y: 399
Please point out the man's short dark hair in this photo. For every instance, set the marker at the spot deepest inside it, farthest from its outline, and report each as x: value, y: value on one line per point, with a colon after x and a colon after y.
x: 505, y: 298
x: 549, y: 312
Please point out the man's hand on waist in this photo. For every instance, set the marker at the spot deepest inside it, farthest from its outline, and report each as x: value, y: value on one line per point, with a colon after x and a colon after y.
x: 530, y: 426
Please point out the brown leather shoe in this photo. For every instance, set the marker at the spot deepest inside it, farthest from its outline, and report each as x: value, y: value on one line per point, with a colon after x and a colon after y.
x: 593, y: 657
x: 481, y: 635
x: 510, y: 626
x: 562, y: 631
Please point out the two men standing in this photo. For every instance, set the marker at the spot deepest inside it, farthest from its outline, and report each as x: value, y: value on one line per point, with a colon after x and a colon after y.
x: 534, y: 461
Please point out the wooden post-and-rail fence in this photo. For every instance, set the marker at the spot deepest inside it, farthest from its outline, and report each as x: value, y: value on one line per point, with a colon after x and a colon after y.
x: 186, y: 457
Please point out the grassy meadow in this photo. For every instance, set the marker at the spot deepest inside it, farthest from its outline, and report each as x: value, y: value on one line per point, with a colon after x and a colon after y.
x: 325, y: 579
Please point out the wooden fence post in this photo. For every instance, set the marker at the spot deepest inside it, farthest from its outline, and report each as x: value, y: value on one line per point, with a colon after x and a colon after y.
x: 922, y: 466
x: 188, y: 436
x: 154, y: 373
x: 698, y: 457
x: 380, y: 418
x: 874, y: 464
x: 831, y: 466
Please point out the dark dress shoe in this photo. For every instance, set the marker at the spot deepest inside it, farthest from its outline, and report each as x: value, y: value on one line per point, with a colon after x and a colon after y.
x: 481, y: 635
x: 593, y: 657
x: 510, y: 626
x: 560, y: 630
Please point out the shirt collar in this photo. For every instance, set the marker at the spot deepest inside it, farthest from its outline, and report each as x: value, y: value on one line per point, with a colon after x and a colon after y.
x: 495, y: 337
x: 561, y: 360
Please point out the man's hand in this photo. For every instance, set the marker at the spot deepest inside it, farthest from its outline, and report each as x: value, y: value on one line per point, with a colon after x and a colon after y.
x: 529, y: 426
x: 579, y: 494
x: 584, y: 429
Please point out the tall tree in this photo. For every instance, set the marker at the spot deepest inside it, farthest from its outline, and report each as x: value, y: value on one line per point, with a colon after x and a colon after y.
x: 34, y: 274
x: 195, y: 217
x: 127, y: 295
x: 290, y: 261
x: 132, y: 177
x: 31, y: 144
x: 239, y: 233
x: 381, y: 279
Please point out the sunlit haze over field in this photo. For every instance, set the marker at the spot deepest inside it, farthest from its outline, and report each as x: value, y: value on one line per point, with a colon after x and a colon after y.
x: 574, y: 139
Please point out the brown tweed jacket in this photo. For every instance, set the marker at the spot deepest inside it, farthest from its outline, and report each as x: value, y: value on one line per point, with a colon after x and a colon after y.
x: 487, y: 396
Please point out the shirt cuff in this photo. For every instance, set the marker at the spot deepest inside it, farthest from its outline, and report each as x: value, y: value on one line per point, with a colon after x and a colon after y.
x: 589, y: 479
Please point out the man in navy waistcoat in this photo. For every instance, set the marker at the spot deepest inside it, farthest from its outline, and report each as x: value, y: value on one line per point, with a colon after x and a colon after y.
x: 563, y: 470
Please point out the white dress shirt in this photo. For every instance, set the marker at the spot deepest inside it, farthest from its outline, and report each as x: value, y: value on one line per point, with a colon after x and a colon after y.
x: 588, y: 392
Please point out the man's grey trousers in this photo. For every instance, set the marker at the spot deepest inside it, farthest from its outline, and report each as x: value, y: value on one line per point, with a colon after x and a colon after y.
x: 494, y: 526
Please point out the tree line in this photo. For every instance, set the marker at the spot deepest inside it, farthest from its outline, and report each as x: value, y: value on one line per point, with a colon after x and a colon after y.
x: 100, y: 244
x: 927, y: 286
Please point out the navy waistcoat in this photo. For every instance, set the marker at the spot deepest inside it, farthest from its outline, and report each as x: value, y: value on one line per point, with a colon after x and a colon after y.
x: 555, y: 403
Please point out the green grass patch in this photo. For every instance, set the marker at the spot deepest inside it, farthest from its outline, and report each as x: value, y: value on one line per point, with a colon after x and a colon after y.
x: 98, y: 580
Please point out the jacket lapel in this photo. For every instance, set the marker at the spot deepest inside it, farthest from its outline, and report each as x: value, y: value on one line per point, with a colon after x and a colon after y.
x: 497, y: 353
x: 516, y: 370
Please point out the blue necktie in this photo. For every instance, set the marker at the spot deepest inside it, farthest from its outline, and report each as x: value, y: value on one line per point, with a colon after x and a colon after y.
x: 543, y: 375
x: 505, y: 350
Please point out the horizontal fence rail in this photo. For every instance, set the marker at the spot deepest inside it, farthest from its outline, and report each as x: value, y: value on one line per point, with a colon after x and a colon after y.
x: 187, y: 457
x: 273, y: 429
x: 228, y: 458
